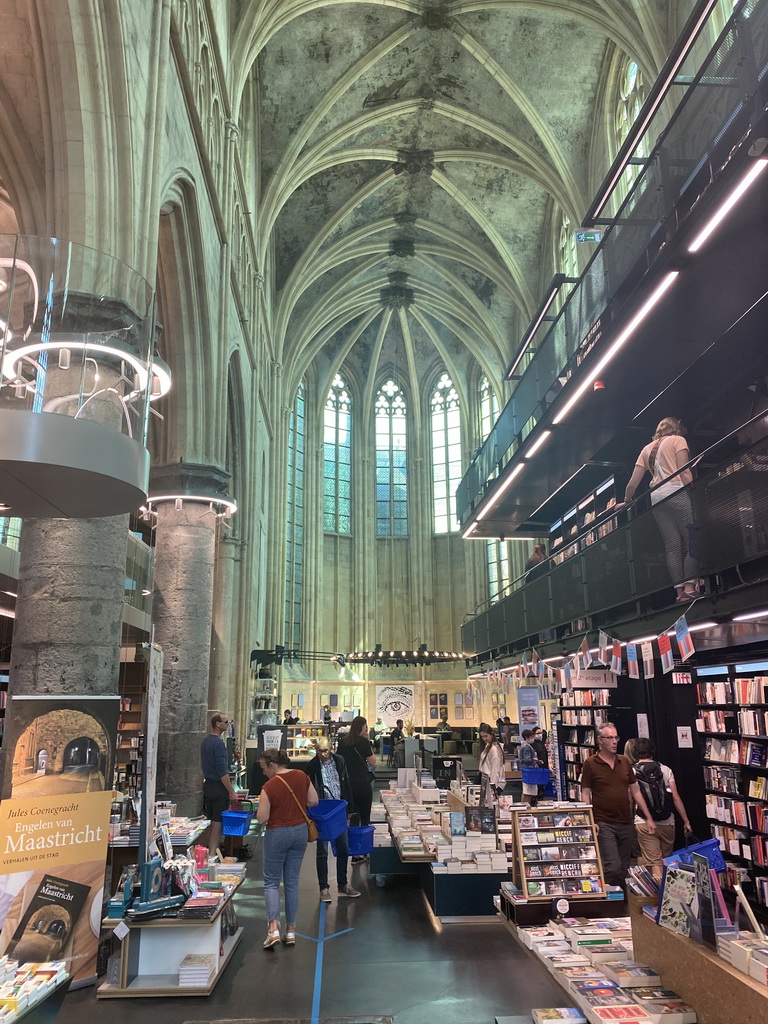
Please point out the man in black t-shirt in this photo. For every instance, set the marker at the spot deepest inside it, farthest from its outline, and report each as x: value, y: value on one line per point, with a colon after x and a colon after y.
x: 397, y: 741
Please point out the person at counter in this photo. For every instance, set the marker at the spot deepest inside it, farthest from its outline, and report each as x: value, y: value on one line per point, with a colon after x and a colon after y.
x: 218, y: 791
x: 288, y: 718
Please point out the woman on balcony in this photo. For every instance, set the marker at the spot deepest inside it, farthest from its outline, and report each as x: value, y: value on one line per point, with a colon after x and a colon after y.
x: 664, y: 459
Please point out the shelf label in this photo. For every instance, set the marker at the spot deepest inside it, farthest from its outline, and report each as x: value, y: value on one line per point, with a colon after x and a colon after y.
x: 120, y: 930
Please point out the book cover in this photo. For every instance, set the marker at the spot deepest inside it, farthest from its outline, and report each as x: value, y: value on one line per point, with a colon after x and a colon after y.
x: 472, y: 818
x: 458, y: 823
x: 47, y: 924
x: 678, y: 909
x: 630, y: 974
x: 569, y: 1014
x: 671, y: 1011
x: 488, y: 821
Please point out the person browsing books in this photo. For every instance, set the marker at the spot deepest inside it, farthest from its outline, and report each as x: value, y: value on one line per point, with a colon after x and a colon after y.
x: 328, y: 774
x: 357, y: 752
x: 539, y: 744
x: 657, y: 780
x: 218, y: 791
x: 491, y: 765
x: 526, y: 756
x: 607, y: 780
x: 664, y: 459
x: 284, y: 797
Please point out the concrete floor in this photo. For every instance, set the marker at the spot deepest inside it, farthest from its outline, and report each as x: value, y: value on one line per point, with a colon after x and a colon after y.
x: 393, y: 961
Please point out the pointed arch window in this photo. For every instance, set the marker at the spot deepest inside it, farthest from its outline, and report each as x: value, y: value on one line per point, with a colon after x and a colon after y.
x: 446, y: 453
x: 497, y: 556
x: 391, y: 454
x: 337, y: 458
x: 489, y: 407
x: 630, y: 100
x: 294, y: 547
x: 567, y: 259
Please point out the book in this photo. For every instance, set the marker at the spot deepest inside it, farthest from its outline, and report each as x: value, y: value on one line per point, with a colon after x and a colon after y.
x: 458, y: 823
x: 621, y: 1012
x: 472, y: 819
x: 670, y: 1011
x: 48, y: 921
x: 487, y: 821
x: 678, y: 905
x: 630, y: 973
x: 566, y: 1014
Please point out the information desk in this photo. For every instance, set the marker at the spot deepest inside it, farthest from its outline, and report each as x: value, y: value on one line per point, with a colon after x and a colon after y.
x: 151, y: 952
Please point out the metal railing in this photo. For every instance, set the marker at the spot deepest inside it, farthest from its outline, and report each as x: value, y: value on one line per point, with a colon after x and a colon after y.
x: 628, y: 563
x: 713, y: 115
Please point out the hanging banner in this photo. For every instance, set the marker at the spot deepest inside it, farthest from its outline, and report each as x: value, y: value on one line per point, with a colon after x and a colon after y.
x: 586, y: 657
x: 528, y: 707
x: 54, y: 827
x: 665, y: 651
x: 616, y: 658
x: 603, y: 641
x: 646, y: 652
x: 596, y: 677
x: 684, y: 641
x: 633, y: 668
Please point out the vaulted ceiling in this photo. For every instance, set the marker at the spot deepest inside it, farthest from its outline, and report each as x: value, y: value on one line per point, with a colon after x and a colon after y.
x: 417, y: 158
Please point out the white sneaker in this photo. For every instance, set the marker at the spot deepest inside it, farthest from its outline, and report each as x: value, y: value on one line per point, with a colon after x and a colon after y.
x: 325, y: 895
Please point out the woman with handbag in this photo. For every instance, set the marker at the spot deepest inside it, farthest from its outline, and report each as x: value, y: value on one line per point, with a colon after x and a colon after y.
x: 664, y: 458
x: 491, y: 765
x: 356, y: 749
x: 284, y: 797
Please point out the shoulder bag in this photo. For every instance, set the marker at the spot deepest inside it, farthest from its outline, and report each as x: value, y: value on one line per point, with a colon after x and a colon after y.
x: 370, y: 768
x: 311, y: 826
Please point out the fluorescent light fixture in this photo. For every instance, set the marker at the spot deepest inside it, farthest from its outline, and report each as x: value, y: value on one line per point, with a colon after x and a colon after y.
x: 14, y: 356
x: 537, y: 444
x: 470, y: 530
x: 200, y: 499
x: 498, y: 493
x: 536, y: 323
x: 752, y: 615
x: 640, y: 125
x: 7, y: 614
x: 655, y: 296
x: 644, y: 639
x: 697, y: 628
x: 723, y: 211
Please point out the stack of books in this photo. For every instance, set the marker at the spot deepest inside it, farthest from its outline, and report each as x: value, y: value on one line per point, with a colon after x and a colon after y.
x: 200, y: 906
x: 197, y: 970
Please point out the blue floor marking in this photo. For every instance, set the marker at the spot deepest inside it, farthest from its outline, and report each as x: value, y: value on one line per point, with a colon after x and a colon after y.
x: 320, y: 940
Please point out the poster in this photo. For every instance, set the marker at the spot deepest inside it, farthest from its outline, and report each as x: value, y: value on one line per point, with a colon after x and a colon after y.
x: 396, y: 700
x: 54, y: 826
x: 528, y: 706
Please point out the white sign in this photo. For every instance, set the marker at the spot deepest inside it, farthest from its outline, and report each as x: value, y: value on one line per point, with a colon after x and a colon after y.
x: 684, y: 736
x: 681, y: 678
x: 395, y: 701
x: 595, y: 677
x: 273, y: 738
x: 642, y: 727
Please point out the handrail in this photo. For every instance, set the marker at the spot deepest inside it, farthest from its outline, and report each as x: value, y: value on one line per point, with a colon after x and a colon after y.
x: 612, y: 511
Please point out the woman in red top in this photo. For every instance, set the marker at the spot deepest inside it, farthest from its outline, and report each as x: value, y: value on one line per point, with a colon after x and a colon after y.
x: 281, y: 808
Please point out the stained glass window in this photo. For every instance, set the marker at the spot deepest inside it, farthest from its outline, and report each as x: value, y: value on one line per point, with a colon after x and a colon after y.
x: 568, y: 260
x: 337, y: 459
x: 631, y: 97
x: 391, y: 453
x: 498, y: 568
x: 489, y: 408
x: 446, y: 453
x: 294, y: 548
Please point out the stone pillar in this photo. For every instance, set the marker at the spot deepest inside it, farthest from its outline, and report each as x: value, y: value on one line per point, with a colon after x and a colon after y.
x: 221, y: 693
x: 66, y: 637
x: 182, y: 612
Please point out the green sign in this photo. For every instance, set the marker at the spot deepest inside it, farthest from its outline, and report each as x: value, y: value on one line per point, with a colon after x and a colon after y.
x: 588, y: 236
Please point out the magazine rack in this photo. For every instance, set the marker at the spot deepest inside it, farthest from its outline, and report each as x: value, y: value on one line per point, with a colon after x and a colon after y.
x: 557, y: 853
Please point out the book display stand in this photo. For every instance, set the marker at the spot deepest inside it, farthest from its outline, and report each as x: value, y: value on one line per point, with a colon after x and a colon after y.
x: 557, y: 854
x: 152, y: 951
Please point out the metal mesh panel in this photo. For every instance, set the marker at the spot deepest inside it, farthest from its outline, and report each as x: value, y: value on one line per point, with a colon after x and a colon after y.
x: 537, y: 608
x: 607, y: 571
x: 568, y: 589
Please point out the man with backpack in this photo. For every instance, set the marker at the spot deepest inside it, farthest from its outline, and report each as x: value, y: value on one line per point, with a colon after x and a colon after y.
x: 657, y: 784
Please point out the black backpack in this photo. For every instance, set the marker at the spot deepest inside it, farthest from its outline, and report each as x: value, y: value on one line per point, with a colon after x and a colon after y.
x: 654, y: 789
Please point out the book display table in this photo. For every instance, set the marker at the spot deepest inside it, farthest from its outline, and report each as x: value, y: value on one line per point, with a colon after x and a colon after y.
x: 461, y: 897
x: 718, y: 992
x: 151, y: 952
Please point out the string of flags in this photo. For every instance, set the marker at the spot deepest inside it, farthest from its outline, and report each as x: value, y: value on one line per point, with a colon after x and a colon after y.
x: 611, y: 654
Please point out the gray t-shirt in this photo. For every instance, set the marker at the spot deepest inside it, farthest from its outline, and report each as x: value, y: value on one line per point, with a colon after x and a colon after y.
x: 213, y: 757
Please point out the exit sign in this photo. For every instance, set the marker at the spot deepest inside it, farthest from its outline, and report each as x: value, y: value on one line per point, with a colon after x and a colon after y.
x: 588, y: 236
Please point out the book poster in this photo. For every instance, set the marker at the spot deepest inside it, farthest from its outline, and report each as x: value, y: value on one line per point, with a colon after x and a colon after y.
x: 646, y: 653
x: 633, y: 667
x: 54, y: 826
x: 684, y: 641
x: 528, y: 706
x: 616, y: 657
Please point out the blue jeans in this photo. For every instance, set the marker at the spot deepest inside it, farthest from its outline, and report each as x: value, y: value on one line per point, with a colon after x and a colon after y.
x: 342, y: 854
x: 283, y: 853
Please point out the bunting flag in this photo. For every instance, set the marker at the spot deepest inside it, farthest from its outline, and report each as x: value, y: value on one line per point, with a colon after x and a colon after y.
x: 586, y: 657
x: 602, y: 647
x: 615, y: 666
x: 633, y: 668
x: 567, y: 677
x: 684, y: 641
x: 646, y: 652
x: 665, y: 650
x: 540, y: 668
x: 525, y: 664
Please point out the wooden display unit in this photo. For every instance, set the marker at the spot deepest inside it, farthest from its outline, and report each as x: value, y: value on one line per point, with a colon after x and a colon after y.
x: 301, y: 740
x: 557, y: 853
x: 151, y: 952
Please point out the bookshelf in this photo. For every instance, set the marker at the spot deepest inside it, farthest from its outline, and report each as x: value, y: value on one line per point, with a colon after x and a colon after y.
x: 732, y: 721
x: 264, y: 710
x: 557, y: 853
x: 129, y: 751
x: 301, y: 739
x: 581, y: 711
x: 594, y: 508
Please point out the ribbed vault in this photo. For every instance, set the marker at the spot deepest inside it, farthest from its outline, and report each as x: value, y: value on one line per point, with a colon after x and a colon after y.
x: 417, y: 158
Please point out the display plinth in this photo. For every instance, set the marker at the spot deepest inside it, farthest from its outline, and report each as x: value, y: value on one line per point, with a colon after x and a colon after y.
x: 718, y: 992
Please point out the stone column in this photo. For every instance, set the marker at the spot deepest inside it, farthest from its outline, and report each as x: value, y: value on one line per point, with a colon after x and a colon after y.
x: 66, y: 637
x: 221, y: 693
x: 182, y: 611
